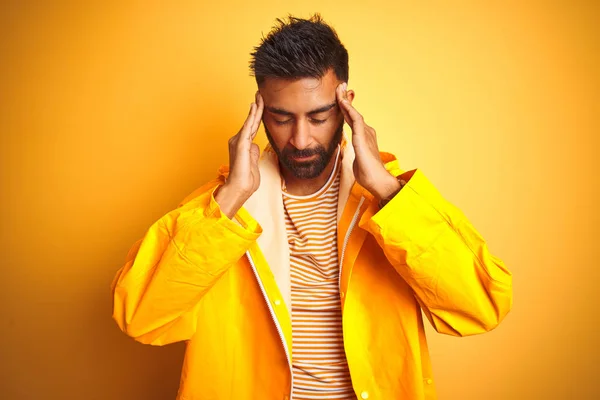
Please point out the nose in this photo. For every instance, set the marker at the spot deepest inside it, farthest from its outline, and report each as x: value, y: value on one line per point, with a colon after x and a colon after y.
x: 301, y: 135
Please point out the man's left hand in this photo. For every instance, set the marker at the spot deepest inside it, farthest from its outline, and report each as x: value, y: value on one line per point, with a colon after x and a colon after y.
x: 368, y: 168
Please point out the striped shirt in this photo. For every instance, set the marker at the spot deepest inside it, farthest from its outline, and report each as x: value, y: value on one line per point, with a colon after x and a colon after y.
x: 319, y: 365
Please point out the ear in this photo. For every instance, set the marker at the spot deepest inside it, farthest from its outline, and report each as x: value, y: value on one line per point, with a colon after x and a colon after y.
x: 350, y: 95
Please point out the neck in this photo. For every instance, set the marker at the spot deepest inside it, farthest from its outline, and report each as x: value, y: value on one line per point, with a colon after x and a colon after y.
x: 305, y: 187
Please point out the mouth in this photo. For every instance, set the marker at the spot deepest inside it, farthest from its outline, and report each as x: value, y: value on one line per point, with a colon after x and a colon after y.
x: 301, y: 159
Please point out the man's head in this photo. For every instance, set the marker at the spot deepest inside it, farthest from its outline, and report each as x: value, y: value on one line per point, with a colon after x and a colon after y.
x: 297, y: 67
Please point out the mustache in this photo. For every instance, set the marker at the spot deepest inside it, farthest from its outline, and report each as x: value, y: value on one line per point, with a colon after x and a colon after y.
x: 297, y: 153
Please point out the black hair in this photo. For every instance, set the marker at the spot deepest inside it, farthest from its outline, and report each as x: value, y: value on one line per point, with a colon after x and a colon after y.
x: 299, y: 48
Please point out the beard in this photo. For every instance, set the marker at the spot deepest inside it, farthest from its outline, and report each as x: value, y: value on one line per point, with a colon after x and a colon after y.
x: 307, y: 169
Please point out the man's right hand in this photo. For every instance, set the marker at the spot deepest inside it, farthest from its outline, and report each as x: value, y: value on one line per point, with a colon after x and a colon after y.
x: 244, y: 177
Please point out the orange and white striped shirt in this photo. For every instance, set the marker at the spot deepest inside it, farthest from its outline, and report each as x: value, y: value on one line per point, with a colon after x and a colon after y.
x: 319, y: 366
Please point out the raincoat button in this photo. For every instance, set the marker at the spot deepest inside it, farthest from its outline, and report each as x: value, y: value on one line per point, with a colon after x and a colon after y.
x: 364, y: 395
x: 342, y: 294
x: 429, y: 381
x: 277, y: 302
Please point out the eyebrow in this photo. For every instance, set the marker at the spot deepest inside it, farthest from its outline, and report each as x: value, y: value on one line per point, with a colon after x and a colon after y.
x: 319, y: 110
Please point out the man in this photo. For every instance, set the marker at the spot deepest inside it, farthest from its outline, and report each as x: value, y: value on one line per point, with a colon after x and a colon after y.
x: 302, y: 272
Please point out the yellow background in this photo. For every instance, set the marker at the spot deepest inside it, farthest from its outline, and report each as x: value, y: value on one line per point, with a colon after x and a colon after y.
x: 110, y: 113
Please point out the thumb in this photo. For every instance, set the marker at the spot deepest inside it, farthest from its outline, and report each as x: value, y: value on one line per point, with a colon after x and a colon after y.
x: 254, y: 153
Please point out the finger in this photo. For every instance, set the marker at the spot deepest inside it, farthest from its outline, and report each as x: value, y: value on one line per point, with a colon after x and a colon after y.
x: 242, y: 139
x: 258, y: 116
x: 340, y: 95
x: 353, y: 117
x: 245, y: 131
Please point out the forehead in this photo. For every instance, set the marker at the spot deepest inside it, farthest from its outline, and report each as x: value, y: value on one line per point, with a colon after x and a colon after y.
x: 299, y: 95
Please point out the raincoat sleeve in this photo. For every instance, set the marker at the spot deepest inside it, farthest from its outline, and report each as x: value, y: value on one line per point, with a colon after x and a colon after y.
x: 461, y: 287
x: 156, y: 294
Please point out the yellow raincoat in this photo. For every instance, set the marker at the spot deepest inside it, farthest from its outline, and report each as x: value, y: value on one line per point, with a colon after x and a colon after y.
x: 223, y: 286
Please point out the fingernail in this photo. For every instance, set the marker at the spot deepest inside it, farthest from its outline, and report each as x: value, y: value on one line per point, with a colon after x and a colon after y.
x: 344, y: 86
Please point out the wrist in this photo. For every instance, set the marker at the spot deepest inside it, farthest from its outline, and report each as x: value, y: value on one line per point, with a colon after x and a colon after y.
x: 388, y: 195
x: 387, y: 187
x: 230, y: 199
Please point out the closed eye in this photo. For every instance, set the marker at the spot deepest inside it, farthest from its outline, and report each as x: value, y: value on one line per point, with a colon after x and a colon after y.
x: 314, y: 121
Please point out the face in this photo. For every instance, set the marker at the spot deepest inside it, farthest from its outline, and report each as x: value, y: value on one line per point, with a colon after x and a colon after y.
x: 303, y: 122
